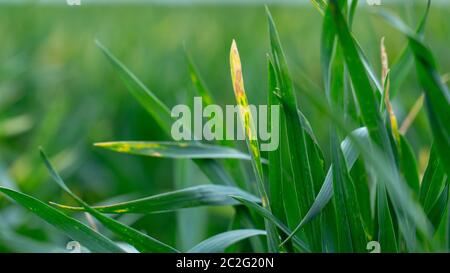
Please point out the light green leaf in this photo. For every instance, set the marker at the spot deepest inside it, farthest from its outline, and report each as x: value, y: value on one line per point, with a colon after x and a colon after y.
x: 219, y: 242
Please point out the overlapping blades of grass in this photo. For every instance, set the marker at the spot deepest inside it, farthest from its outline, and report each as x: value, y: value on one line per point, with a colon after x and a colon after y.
x: 368, y: 105
x: 404, y: 63
x: 408, y: 165
x: 433, y: 188
x: 350, y: 230
x: 140, y: 241
x: 437, y: 95
x: 215, y: 172
x: 276, y: 169
x: 305, y: 156
x: 174, y: 149
x: 351, y: 154
x: 320, y: 5
x: 408, y: 211
x: 196, y: 196
x: 76, y: 230
x: 219, y: 242
x: 299, y: 243
x: 437, y: 100
x: 233, y: 167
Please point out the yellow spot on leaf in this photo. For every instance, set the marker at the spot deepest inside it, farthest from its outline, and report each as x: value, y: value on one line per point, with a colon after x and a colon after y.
x: 156, y: 154
x: 121, y: 210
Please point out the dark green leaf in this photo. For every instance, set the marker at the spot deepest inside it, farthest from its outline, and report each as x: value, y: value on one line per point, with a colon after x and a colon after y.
x: 140, y: 241
x: 204, y: 195
x: 76, y: 230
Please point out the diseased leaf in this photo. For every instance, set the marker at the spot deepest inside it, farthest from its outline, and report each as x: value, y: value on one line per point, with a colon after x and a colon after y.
x: 233, y: 167
x: 175, y: 150
x: 196, y: 196
x: 161, y: 114
x: 249, y: 127
x: 76, y: 230
x: 140, y: 241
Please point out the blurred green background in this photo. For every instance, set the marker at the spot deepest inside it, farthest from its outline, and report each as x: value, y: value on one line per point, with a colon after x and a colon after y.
x: 58, y: 91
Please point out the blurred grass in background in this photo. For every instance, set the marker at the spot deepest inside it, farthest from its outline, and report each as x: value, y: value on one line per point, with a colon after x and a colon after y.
x: 57, y: 90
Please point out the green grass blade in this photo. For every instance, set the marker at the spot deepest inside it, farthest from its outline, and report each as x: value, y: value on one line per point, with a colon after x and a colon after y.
x: 368, y: 105
x: 76, y: 230
x: 269, y: 216
x: 276, y: 169
x: 191, y: 150
x: 140, y: 241
x: 326, y: 192
x: 437, y: 95
x: 304, y: 158
x: 408, y: 211
x: 143, y: 95
x: 22, y: 244
x: 198, y: 82
x: 432, y: 187
x: 191, y: 224
x: 350, y: 230
x: 219, y: 242
x: 233, y: 167
x: 352, y: 11
x: 437, y: 212
x: 404, y: 63
x: 408, y: 165
x: 320, y: 5
x: 196, y: 196
x: 161, y: 114
x: 385, y: 223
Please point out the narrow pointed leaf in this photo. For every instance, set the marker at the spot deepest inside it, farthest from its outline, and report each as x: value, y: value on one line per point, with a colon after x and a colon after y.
x: 76, y: 230
x: 174, y: 150
x: 140, y: 241
x: 269, y: 216
x: 197, y: 196
x: 219, y: 242
x: 325, y: 194
x: 161, y: 114
x: 437, y: 95
x: 303, y: 155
